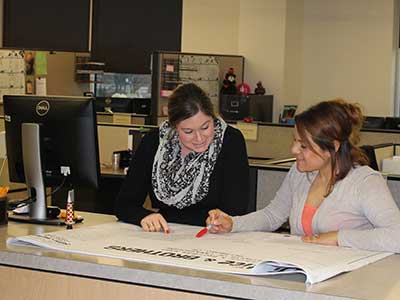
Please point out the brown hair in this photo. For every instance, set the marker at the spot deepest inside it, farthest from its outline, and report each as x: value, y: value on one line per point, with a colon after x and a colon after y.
x: 186, y: 101
x: 329, y: 121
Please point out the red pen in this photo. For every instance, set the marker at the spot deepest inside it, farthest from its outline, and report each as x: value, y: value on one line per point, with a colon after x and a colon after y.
x: 204, y: 231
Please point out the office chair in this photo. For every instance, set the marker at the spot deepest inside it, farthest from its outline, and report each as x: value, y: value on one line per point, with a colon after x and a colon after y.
x: 370, y: 152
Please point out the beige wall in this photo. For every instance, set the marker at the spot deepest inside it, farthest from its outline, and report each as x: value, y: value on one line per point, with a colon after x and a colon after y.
x: 262, y: 26
x: 210, y: 26
x: 1, y: 22
x: 304, y: 50
x: 111, y: 139
x: 61, y: 73
x: 348, y: 52
x: 293, y: 67
x: 252, y: 28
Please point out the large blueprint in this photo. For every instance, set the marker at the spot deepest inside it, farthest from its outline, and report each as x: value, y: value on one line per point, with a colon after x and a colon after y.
x: 249, y: 253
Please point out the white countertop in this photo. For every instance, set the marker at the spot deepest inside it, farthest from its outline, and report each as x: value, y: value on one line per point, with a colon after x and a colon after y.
x: 379, y: 280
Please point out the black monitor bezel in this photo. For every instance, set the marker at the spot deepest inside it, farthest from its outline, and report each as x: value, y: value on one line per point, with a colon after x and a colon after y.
x: 30, y: 100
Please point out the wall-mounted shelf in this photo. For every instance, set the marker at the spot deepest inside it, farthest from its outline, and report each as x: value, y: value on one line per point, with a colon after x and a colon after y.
x: 84, y: 68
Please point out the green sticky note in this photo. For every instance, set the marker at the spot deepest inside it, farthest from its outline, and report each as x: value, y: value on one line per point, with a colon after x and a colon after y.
x: 41, y: 63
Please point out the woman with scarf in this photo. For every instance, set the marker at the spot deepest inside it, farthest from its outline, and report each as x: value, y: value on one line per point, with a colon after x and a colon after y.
x: 193, y: 163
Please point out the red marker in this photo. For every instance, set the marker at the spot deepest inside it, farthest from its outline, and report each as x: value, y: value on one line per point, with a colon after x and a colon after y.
x: 204, y: 231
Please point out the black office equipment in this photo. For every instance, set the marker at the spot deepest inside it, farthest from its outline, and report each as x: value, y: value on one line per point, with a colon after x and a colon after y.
x: 238, y: 107
x: 141, y: 106
x: 234, y: 107
x: 125, y: 33
x: 109, y: 104
x: 123, y: 105
x: 51, y: 142
x: 374, y: 122
x: 392, y: 123
x: 47, y: 25
x: 261, y: 107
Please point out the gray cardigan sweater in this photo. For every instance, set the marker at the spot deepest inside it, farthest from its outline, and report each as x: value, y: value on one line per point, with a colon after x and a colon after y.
x: 360, y: 207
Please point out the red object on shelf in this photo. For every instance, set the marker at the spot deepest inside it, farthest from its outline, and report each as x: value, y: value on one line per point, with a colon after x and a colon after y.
x: 243, y: 89
x: 248, y: 120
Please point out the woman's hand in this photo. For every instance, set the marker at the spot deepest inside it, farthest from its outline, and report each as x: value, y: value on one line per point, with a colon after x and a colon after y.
x: 154, y: 222
x: 220, y: 221
x: 328, y: 238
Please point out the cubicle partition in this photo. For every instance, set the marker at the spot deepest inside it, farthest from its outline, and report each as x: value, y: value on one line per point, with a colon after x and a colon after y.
x: 274, y: 142
x: 272, y: 145
x: 270, y: 174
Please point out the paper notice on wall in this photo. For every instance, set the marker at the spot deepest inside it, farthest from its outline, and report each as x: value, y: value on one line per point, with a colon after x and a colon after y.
x: 249, y: 130
x: 121, y: 118
x: 41, y: 63
x: 169, y: 68
x: 12, y: 76
x: 41, y: 86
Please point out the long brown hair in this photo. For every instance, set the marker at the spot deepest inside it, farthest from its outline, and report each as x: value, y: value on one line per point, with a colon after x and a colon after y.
x: 330, y: 121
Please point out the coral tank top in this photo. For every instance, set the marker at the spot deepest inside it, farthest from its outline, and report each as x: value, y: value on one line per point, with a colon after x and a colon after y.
x: 307, y: 217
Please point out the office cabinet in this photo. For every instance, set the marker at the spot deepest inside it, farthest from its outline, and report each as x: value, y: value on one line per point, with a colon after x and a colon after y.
x: 125, y: 33
x: 169, y: 69
x: 238, y: 107
x: 47, y: 25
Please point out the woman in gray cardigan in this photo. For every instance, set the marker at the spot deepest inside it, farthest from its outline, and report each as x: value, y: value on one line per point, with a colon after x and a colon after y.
x: 330, y: 195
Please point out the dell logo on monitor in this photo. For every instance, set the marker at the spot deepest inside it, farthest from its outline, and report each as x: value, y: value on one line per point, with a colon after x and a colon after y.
x: 42, y: 108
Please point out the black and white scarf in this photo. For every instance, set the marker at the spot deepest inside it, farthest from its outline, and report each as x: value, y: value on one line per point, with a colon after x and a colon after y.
x: 183, y: 181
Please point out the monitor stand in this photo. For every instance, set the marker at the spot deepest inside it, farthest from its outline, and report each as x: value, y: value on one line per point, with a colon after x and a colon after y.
x: 31, y: 154
x: 28, y: 219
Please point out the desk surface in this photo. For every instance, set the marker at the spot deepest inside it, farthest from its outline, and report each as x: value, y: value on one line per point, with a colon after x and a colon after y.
x: 109, y: 171
x: 380, y: 280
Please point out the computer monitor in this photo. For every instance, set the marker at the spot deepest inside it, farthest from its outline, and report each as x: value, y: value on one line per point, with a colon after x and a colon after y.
x: 50, y: 141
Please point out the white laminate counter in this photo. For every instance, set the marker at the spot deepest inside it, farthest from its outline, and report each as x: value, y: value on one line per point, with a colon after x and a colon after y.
x: 101, y: 277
